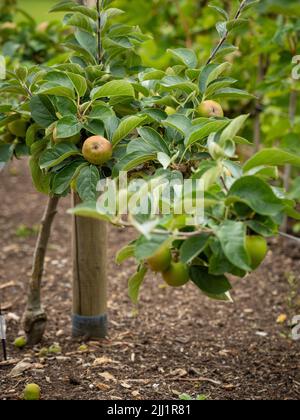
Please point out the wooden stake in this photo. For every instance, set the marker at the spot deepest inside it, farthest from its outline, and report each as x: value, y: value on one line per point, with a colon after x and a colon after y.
x: 89, y: 277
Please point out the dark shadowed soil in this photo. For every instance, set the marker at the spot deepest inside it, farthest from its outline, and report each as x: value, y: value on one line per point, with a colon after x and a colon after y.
x: 177, y: 342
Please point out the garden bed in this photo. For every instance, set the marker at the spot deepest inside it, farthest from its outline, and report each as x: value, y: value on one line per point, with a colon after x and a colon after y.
x: 179, y: 342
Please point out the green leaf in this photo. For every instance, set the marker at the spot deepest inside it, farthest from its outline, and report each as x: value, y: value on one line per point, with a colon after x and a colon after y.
x: 232, y: 93
x: 135, y: 283
x: 209, y: 284
x: 70, y: 6
x: 232, y: 236
x: 89, y: 209
x: 112, y: 89
x: 68, y: 126
x: 82, y: 22
x: 257, y: 194
x: 233, y: 128
x: 61, y: 181
x: 42, y: 111
x: 164, y: 159
x: 192, y: 247
x: 54, y: 156
x: 201, y: 132
x: 131, y: 161
x: 210, y: 73
x: 154, y: 139
x: 126, y: 126
x: 40, y: 179
x: 79, y: 83
x: 275, y: 157
x: 186, y: 56
x: 179, y: 122
x: 87, y: 182
x: 125, y: 253
x: 6, y: 152
x: 52, y: 88
x: 177, y: 82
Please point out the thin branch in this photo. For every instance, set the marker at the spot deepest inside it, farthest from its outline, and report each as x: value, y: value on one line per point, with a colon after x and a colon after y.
x: 99, y: 35
x: 224, y: 38
x: 179, y: 235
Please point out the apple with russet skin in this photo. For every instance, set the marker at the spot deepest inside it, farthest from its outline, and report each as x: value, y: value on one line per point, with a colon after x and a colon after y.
x: 97, y: 150
x: 161, y: 260
x: 177, y: 274
x: 257, y: 249
x: 73, y: 139
x: 210, y: 109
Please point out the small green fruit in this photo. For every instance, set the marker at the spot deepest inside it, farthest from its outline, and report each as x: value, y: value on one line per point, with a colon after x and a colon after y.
x: 18, y: 128
x: 83, y: 349
x: 210, y: 109
x: 32, y: 392
x: 20, y: 342
x: 177, y: 275
x: 161, y: 260
x: 43, y: 352
x: 257, y: 249
x: 170, y: 110
x: 55, y: 349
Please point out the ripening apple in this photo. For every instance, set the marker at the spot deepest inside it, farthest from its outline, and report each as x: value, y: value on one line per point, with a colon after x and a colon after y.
x: 210, y: 109
x: 97, y: 150
x: 177, y: 274
x: 73, y: 139
x: 257, y: 249
x: 161, y: 260
x: 43, y: 26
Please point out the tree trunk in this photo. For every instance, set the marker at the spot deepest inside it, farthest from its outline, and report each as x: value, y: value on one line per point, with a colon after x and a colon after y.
x: 35, y: 318
x: 89, y: 277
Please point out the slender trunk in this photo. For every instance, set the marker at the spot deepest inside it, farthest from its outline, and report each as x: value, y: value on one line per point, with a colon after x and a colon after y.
x: 35, y: 318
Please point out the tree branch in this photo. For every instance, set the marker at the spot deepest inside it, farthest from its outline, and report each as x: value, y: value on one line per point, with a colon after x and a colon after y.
x: 224, y: 38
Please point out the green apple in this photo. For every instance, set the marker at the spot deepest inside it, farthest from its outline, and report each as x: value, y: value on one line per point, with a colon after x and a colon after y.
x: 177, y: 274
x: 257, y: 249
x: 161, y: 260
x: 210, y: 109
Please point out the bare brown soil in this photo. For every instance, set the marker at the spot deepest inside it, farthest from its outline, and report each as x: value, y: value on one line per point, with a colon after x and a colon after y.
x: 179, y: 341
